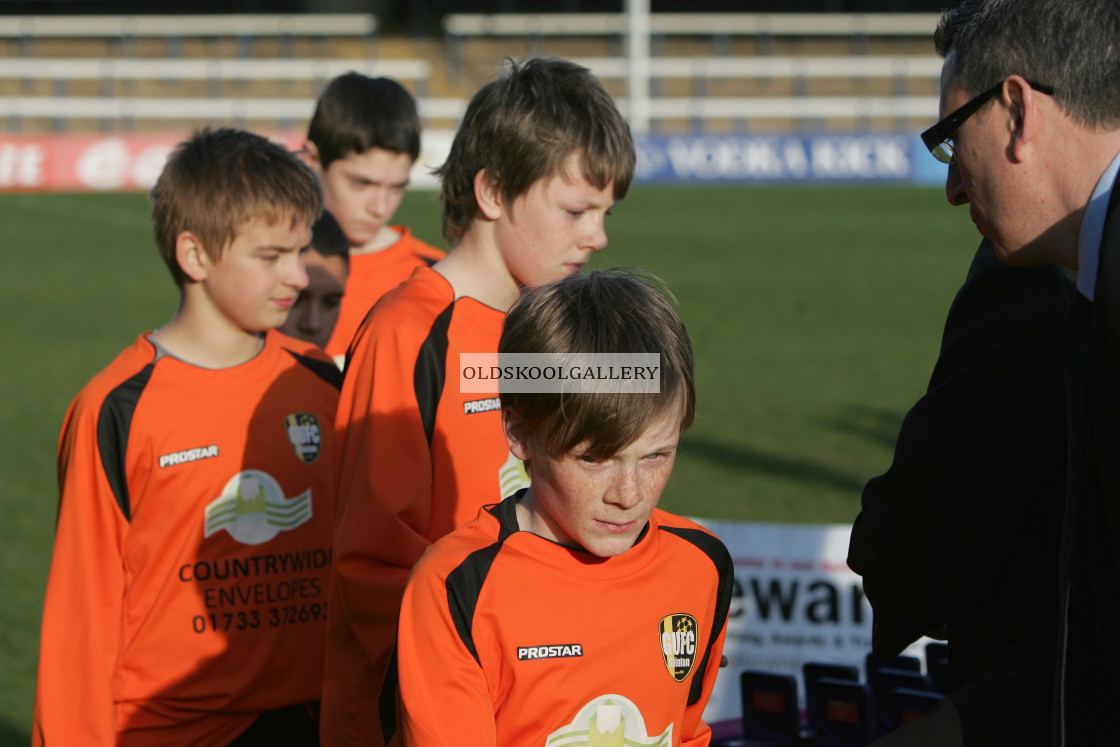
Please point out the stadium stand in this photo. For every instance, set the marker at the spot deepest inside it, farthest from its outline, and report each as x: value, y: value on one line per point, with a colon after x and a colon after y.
x: 738, y: 70
x: 129, y: 29
x: 708, y: 72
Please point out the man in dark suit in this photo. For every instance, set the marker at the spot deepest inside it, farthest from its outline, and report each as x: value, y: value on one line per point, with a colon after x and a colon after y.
x: 1030, y: 99
x: 961, y: 534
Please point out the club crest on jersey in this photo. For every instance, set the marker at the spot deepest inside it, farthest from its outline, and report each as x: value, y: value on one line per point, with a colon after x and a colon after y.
x: 304, y: 435
x: 253, y: 508
x: 609, y: 721
x: 678, y: 644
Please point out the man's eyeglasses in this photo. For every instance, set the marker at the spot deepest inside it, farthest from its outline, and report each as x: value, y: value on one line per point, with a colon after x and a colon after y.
x: 939, y: 137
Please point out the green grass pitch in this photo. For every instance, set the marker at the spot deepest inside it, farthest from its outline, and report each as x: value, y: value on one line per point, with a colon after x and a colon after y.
x: 816, y: 315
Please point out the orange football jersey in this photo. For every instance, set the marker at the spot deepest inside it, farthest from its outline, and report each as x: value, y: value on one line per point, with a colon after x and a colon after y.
x: 507, y: 638
x: 188, y: 584
x: 416, y: 458
x: 371, y: 277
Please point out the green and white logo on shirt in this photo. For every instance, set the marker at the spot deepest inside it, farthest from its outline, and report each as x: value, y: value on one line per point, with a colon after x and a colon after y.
x: 253, y: 508
x: 608, y: 721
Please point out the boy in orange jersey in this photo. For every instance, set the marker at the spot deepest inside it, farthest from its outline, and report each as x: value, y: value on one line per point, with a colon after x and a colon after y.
x: 314, y: 314
x: 187, y: 594
x: 539, y: 160
x: 362, y: 140
x: 575, y: 606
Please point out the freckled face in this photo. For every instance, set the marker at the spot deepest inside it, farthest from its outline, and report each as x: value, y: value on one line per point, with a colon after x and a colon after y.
x: 600, y: 505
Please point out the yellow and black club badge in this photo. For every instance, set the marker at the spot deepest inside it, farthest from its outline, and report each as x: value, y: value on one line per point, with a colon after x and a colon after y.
x: 304, y: 435
x: 678, y: 644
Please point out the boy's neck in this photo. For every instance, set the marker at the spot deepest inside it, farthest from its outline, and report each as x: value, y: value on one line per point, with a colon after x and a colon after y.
x: 383, y: 239
x: 207, y: 340
x: 475, y: 269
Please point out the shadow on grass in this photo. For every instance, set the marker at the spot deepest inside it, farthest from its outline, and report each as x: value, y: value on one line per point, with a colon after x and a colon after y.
x: 874, y: 425
x: 12, y: 735
x: 774, y: 465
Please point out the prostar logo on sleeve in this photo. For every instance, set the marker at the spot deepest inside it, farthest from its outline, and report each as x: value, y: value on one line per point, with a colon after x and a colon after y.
x: 253, y: 508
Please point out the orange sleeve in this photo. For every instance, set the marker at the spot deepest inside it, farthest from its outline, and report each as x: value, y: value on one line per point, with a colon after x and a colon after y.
x: 81, y: 628
x: 385, y: 484
x: 444, y: 695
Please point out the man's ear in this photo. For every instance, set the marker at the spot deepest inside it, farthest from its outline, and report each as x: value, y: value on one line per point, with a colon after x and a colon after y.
x: 1025, y: 122
x: 309, y: 154
x: 517, y: 435
x: 487, y: 195
x: 192, y: 256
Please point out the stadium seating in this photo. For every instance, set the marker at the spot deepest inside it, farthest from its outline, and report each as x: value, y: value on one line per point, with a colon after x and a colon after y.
x: 744, y: 70
x: 129, y: 29
x: 709, y: 72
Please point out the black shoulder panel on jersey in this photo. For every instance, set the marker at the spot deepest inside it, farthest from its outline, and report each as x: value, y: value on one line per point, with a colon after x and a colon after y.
x: 113, y: 424
x: 464, y: 584
x: 506, y: 514
x: 721, y: 558
x: 328, y: 372
x: 431, y: 370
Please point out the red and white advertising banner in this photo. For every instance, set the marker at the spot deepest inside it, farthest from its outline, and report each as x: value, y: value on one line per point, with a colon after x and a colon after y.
x: 132, y: 162
x: 795, y: 601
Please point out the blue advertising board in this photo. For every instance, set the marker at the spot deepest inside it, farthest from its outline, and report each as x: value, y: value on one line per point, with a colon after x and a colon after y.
x: 735, y: 159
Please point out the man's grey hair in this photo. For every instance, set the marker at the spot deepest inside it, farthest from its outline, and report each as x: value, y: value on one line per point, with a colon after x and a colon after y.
x: 1071, y: 45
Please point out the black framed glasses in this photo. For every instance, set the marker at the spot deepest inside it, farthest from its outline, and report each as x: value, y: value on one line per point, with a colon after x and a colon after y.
x: 939, y: 137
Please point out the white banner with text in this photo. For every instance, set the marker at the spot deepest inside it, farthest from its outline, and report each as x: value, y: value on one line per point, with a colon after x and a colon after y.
x: 795, y: 601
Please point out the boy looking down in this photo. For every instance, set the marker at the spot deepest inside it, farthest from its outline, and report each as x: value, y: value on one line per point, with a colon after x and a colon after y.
x: 575, y: 606
x: 362, y: 140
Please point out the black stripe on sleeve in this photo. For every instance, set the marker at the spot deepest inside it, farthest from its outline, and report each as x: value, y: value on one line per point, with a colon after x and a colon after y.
x: 721, y: 558
x: 114, y: 422
x: 431, y: 371
x: 464, y: 584
x: 328, y: 372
